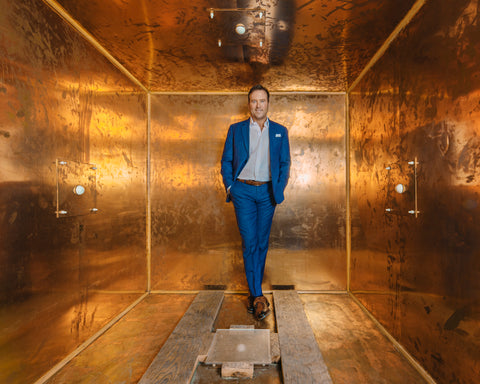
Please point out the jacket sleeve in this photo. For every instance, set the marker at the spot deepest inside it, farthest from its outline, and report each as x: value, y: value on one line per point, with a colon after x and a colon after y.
x: 227, y: 160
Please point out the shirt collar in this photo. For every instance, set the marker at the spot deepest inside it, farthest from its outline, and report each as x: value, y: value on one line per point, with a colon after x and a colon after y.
x: 266, y: 125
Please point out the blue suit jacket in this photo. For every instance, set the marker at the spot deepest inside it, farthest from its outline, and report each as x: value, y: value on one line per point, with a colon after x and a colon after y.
x: 236, y: 153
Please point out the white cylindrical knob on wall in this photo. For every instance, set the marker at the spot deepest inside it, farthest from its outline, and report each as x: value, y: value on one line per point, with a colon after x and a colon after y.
x: 400, y: 188
x: 79, y: 190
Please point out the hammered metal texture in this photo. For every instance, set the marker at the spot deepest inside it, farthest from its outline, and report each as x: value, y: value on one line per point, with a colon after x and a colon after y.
x: 172, y: 46
x: 195, y: 239
x: 61, y: 99
x: 62, y: 279
x: 421, y: 276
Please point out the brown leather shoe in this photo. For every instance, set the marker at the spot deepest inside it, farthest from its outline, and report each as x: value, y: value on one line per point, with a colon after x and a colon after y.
x: 261, y: 305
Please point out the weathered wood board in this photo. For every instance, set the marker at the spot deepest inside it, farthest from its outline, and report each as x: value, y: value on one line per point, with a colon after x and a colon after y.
x: 176, y: 361
x: 301, y: 359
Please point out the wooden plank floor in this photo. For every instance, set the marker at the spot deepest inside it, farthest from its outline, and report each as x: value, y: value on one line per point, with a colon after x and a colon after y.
x: 353, y: 348
x: 302, y: 361
x: 176, y: 361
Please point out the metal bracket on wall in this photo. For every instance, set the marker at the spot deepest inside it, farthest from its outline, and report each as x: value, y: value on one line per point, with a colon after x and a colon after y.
x: 415, y: 165
x: 402, y: 188
x: 76, y: 188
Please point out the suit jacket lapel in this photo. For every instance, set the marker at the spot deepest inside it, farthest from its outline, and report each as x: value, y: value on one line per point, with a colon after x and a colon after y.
x: 271, y: 135
x: 246, y: 135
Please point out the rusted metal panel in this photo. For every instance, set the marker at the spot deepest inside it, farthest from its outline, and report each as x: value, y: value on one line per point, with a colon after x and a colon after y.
x: 196, y: 243
x: 421, y: 276
x: 60, y: 99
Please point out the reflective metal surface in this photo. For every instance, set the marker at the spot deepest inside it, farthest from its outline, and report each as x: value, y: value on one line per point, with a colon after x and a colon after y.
x: 123, y: 354
x: 421, y: 276
x: 195, y: 239
x: 63, y: 278
x: 76, y: 188
x: 352, y: 346
x: 173, y: 45
x: 60, y: 99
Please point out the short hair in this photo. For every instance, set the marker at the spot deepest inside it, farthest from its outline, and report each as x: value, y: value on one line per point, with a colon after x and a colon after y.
x: 259, y: 87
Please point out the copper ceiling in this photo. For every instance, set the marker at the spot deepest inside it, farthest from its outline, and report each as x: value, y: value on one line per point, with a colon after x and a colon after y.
x: 306, y: 45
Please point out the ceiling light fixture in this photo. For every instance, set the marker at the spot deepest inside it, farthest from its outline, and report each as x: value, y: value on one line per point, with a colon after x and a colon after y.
x: 240, y: 29
x: 212, y: 13
x: 219, y: 42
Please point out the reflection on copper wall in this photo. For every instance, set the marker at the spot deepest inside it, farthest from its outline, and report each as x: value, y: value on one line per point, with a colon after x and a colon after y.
x: 68, y: 117
x: 196, y: 244
x: 60, y: 99
x: 308, y: 45
x: 421, y: 276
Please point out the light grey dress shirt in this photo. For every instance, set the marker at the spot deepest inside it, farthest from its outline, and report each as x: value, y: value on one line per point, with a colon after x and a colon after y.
x: 258, y: 164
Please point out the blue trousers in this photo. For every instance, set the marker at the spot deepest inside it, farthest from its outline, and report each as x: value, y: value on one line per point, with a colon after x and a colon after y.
x: 254, y: 209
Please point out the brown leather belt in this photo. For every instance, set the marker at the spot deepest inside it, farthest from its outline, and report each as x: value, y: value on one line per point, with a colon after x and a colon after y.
x: 253, y: 182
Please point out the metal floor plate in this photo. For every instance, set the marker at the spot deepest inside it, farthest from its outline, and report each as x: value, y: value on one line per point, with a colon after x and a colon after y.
x: 240, y: 345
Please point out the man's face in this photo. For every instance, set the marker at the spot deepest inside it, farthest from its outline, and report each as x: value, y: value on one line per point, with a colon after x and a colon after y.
x: 258, y: 105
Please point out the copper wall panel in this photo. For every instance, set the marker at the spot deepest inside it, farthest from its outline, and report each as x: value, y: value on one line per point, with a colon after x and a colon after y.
x: 196, y: 244
x: 309, y: 45
x: 60, y: 99
x: 421, y: 276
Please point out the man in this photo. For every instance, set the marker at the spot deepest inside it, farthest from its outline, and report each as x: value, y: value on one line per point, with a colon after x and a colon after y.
x: 255, y: 171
